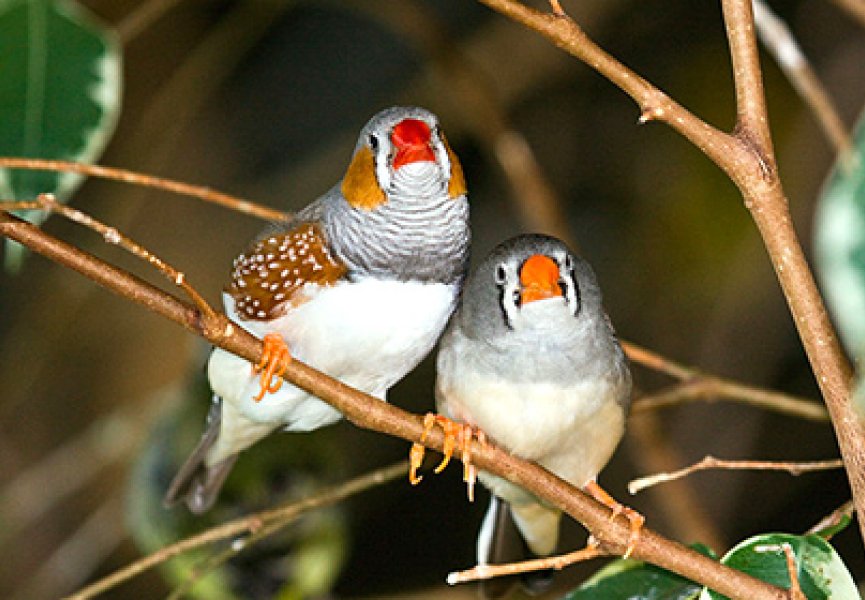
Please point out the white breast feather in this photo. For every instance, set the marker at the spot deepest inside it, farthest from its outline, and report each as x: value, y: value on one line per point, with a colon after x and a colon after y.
x: 368, y: 334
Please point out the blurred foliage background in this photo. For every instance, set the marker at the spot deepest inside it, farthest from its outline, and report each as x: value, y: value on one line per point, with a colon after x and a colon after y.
x: 263, y: 99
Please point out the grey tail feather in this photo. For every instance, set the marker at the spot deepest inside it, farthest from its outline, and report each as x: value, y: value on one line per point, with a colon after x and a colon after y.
x: 196, y: 483
x: 500, y: 542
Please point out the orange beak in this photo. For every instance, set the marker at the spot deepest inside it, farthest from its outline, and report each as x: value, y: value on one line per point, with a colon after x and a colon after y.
x: 411, y: 138
x: 539, y: 277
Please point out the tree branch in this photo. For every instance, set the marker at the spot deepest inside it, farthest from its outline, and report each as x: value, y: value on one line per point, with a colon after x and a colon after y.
x: 778, y: 39
x: 710, y: 462
x: 748, y: 159
x: 169, y: 185
x: 370, y: 413
x: 696, y: 384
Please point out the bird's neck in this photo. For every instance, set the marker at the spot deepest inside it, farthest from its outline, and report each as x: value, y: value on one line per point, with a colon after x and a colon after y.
x: 408, y: 237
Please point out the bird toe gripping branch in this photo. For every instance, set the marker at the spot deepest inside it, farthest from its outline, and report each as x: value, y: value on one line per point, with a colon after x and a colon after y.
x: 275, y: 359
x: 457, y: 435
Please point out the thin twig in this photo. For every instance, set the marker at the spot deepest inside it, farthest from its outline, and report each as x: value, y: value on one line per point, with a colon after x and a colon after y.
x: 779, y: 40
x: 855, y: 8
x: 792, y: 568
x: 527, y: 566
x: 220, y: 558
x: 240, y: 205
x: 793, y: 572
x: 370, y: 413
x: 709, y: 387
x: 111, y: 235
x: 656, y: 362
x: 846, y: 510
x: 141, y: 17
x: 710, y: 462
x: 652, y: 450
x: 698, y: 385
x: 244, y: 525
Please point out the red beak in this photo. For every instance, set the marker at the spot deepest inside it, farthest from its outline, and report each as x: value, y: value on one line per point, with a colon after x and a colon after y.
x: 539, y: 277
x: 411, y: 138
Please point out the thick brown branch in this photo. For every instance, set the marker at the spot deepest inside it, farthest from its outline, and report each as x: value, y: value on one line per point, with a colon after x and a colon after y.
x: 370, y: 413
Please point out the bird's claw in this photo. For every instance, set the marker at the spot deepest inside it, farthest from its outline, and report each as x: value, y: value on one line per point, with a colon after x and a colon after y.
x: 457, y: 435
x: 275, y: 359
x: 635, y: 519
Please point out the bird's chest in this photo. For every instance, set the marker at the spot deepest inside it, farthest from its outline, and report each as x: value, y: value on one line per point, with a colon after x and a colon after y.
x: 367, y: 333
x: 537, y: 419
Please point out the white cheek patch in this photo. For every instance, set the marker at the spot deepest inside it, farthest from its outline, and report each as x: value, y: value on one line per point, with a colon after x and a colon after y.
x: 510, y: 290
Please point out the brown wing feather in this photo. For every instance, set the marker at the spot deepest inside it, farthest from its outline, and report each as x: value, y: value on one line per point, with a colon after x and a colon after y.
x: 270, y: 276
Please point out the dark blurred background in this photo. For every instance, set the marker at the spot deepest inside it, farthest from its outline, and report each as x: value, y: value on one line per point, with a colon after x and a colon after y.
x: 263, y: 99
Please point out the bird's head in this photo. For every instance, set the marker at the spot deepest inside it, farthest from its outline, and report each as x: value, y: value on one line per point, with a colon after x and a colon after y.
x: 402, y: 152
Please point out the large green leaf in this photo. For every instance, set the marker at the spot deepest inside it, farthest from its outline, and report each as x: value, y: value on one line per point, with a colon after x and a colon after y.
x: 840, y: 243
x: 821, y: 572
x: 637, y: 580
x: 59, y: 92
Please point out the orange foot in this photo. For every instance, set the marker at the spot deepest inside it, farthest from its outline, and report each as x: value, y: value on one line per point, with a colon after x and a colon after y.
x: 275, y: 358
x: 456, y: 435
x: 634, y: 518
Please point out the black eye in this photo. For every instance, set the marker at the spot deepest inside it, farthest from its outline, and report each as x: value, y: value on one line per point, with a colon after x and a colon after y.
x: 373, y: 142
x: 501, y: 275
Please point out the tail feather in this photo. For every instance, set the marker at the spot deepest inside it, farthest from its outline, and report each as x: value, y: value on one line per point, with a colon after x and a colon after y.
x: 198, y: 483
x: 500, y: 541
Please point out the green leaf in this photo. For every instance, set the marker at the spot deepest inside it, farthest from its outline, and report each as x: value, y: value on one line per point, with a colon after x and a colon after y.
x: 822, y: 574
x: 840, y: 243
x: 637, y: 580
x: 59, y: 93
x: 831, y: 531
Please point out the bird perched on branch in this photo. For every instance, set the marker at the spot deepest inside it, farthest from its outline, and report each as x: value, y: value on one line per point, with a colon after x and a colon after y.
x: 530, y: 362
x: 359, y: 285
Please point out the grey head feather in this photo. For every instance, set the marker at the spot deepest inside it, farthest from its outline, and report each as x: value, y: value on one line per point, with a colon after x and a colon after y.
x: 584, y: 346
x: 422, y: 236
x: 419, y: 233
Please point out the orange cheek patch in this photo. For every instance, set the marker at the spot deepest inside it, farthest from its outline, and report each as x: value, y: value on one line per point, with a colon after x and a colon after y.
x: 457, y: 182
x: 539, y: 277
x: 360, y: 186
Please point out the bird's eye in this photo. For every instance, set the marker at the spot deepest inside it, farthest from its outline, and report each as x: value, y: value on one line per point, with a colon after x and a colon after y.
x: 373, y: 142
x: 501, y: 275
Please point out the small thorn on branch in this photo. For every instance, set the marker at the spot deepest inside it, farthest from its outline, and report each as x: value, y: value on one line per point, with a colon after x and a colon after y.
x: 557, y: 9
x: 650, y: 113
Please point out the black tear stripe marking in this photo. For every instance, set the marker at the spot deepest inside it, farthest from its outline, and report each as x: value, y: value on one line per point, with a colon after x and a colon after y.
x: 502, y: 309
